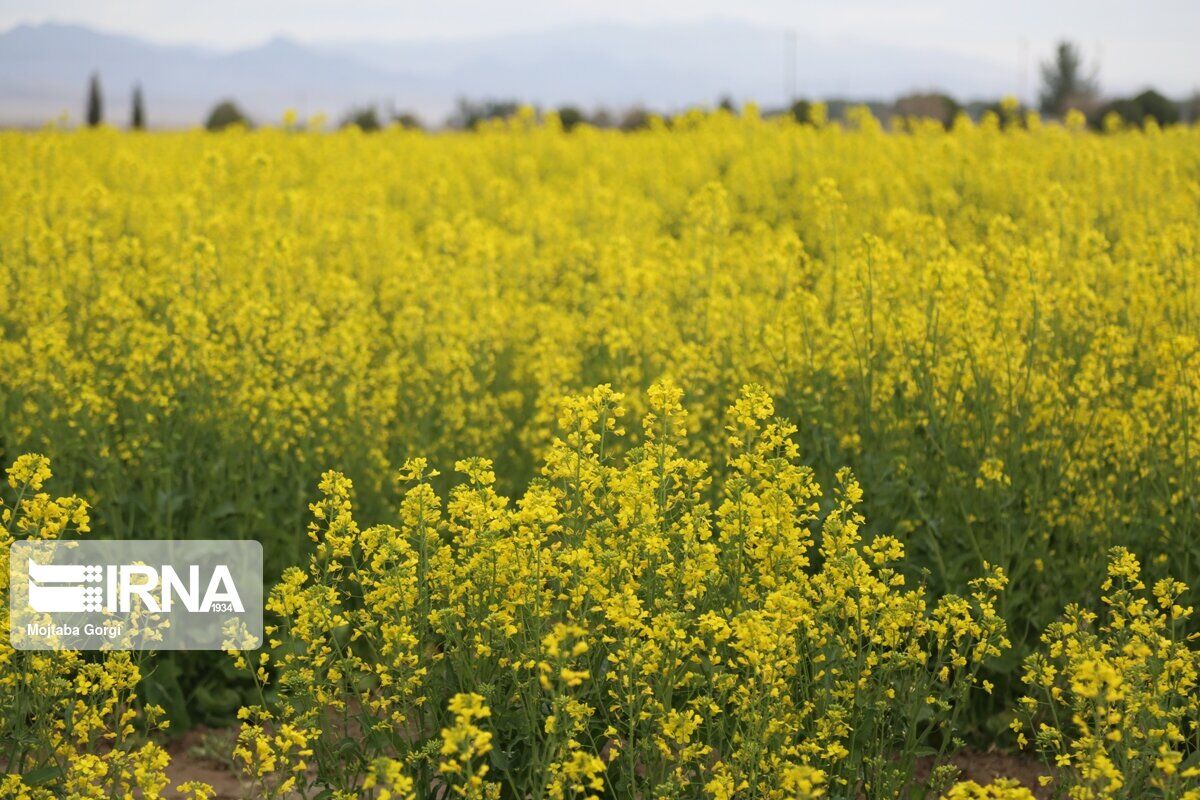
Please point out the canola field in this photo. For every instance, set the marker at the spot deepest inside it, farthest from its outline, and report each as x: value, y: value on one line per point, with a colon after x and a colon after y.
x: 731, y: 458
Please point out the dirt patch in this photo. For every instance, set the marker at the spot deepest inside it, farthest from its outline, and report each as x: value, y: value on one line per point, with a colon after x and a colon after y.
x: 198, y: 756
x: 985, y: 767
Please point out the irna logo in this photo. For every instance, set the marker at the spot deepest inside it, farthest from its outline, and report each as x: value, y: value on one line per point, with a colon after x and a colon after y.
x: 135, y: 594
x: 117, y: 588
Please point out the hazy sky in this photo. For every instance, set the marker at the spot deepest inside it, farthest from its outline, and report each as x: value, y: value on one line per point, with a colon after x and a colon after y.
x: 1135, y: 43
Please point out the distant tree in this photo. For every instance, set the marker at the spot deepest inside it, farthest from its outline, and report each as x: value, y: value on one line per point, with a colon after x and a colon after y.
x: 407, y: 120
x: 929, y: 105
x: 224, y: 114
x: 844, y: 109
x: 366, y: 119
x: 1190, y: 109
x: 726, y: 104
x: 1064, y: 84
x: 1136, y: 110
x: 570, y: 117
x: 602, y: 118
x: 137, y: 117
x: 634, y: 119
x: 1164, y: 110
x: 837, y: 107
x: 470, y: 113
x: 1123, y: 107
x: 801, y: 111
x: 1010, y: 112
x: 95, y: 104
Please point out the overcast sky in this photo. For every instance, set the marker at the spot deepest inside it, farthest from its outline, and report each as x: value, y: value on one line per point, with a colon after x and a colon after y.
x: 1152, y: 42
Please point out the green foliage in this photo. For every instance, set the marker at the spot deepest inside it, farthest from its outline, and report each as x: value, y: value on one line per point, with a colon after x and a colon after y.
x: 407, y: 120
x: 224, y: 114
x: 570, y: 117
x: 470, y: 113
x: 1137, y: 110
x: 929, y: 105
x: 801, y: 111
x: 635, y: 119
x: 366, y: 119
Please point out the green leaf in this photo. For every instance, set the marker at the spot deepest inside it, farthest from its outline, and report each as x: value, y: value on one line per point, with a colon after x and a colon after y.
x: 42, y: 776
x: 162, y: 687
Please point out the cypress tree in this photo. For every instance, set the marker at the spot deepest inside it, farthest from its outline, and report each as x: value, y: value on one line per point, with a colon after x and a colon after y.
x: 95, y: 107
x: 137, y: 119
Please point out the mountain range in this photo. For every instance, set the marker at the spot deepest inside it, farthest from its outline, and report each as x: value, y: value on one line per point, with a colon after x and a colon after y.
x: 44, y: 71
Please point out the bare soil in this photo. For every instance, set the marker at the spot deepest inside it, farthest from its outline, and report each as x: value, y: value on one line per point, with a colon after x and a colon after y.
x: 193, y: 759
x: 191, y: 762
x: 985, y: 767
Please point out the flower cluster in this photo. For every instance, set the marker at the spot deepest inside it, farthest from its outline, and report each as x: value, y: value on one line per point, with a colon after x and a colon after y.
x: 1114, y: 698
x: 630, y: 626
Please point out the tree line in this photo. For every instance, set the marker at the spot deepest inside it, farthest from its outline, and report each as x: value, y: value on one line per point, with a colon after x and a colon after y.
x: 1067, y: 84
